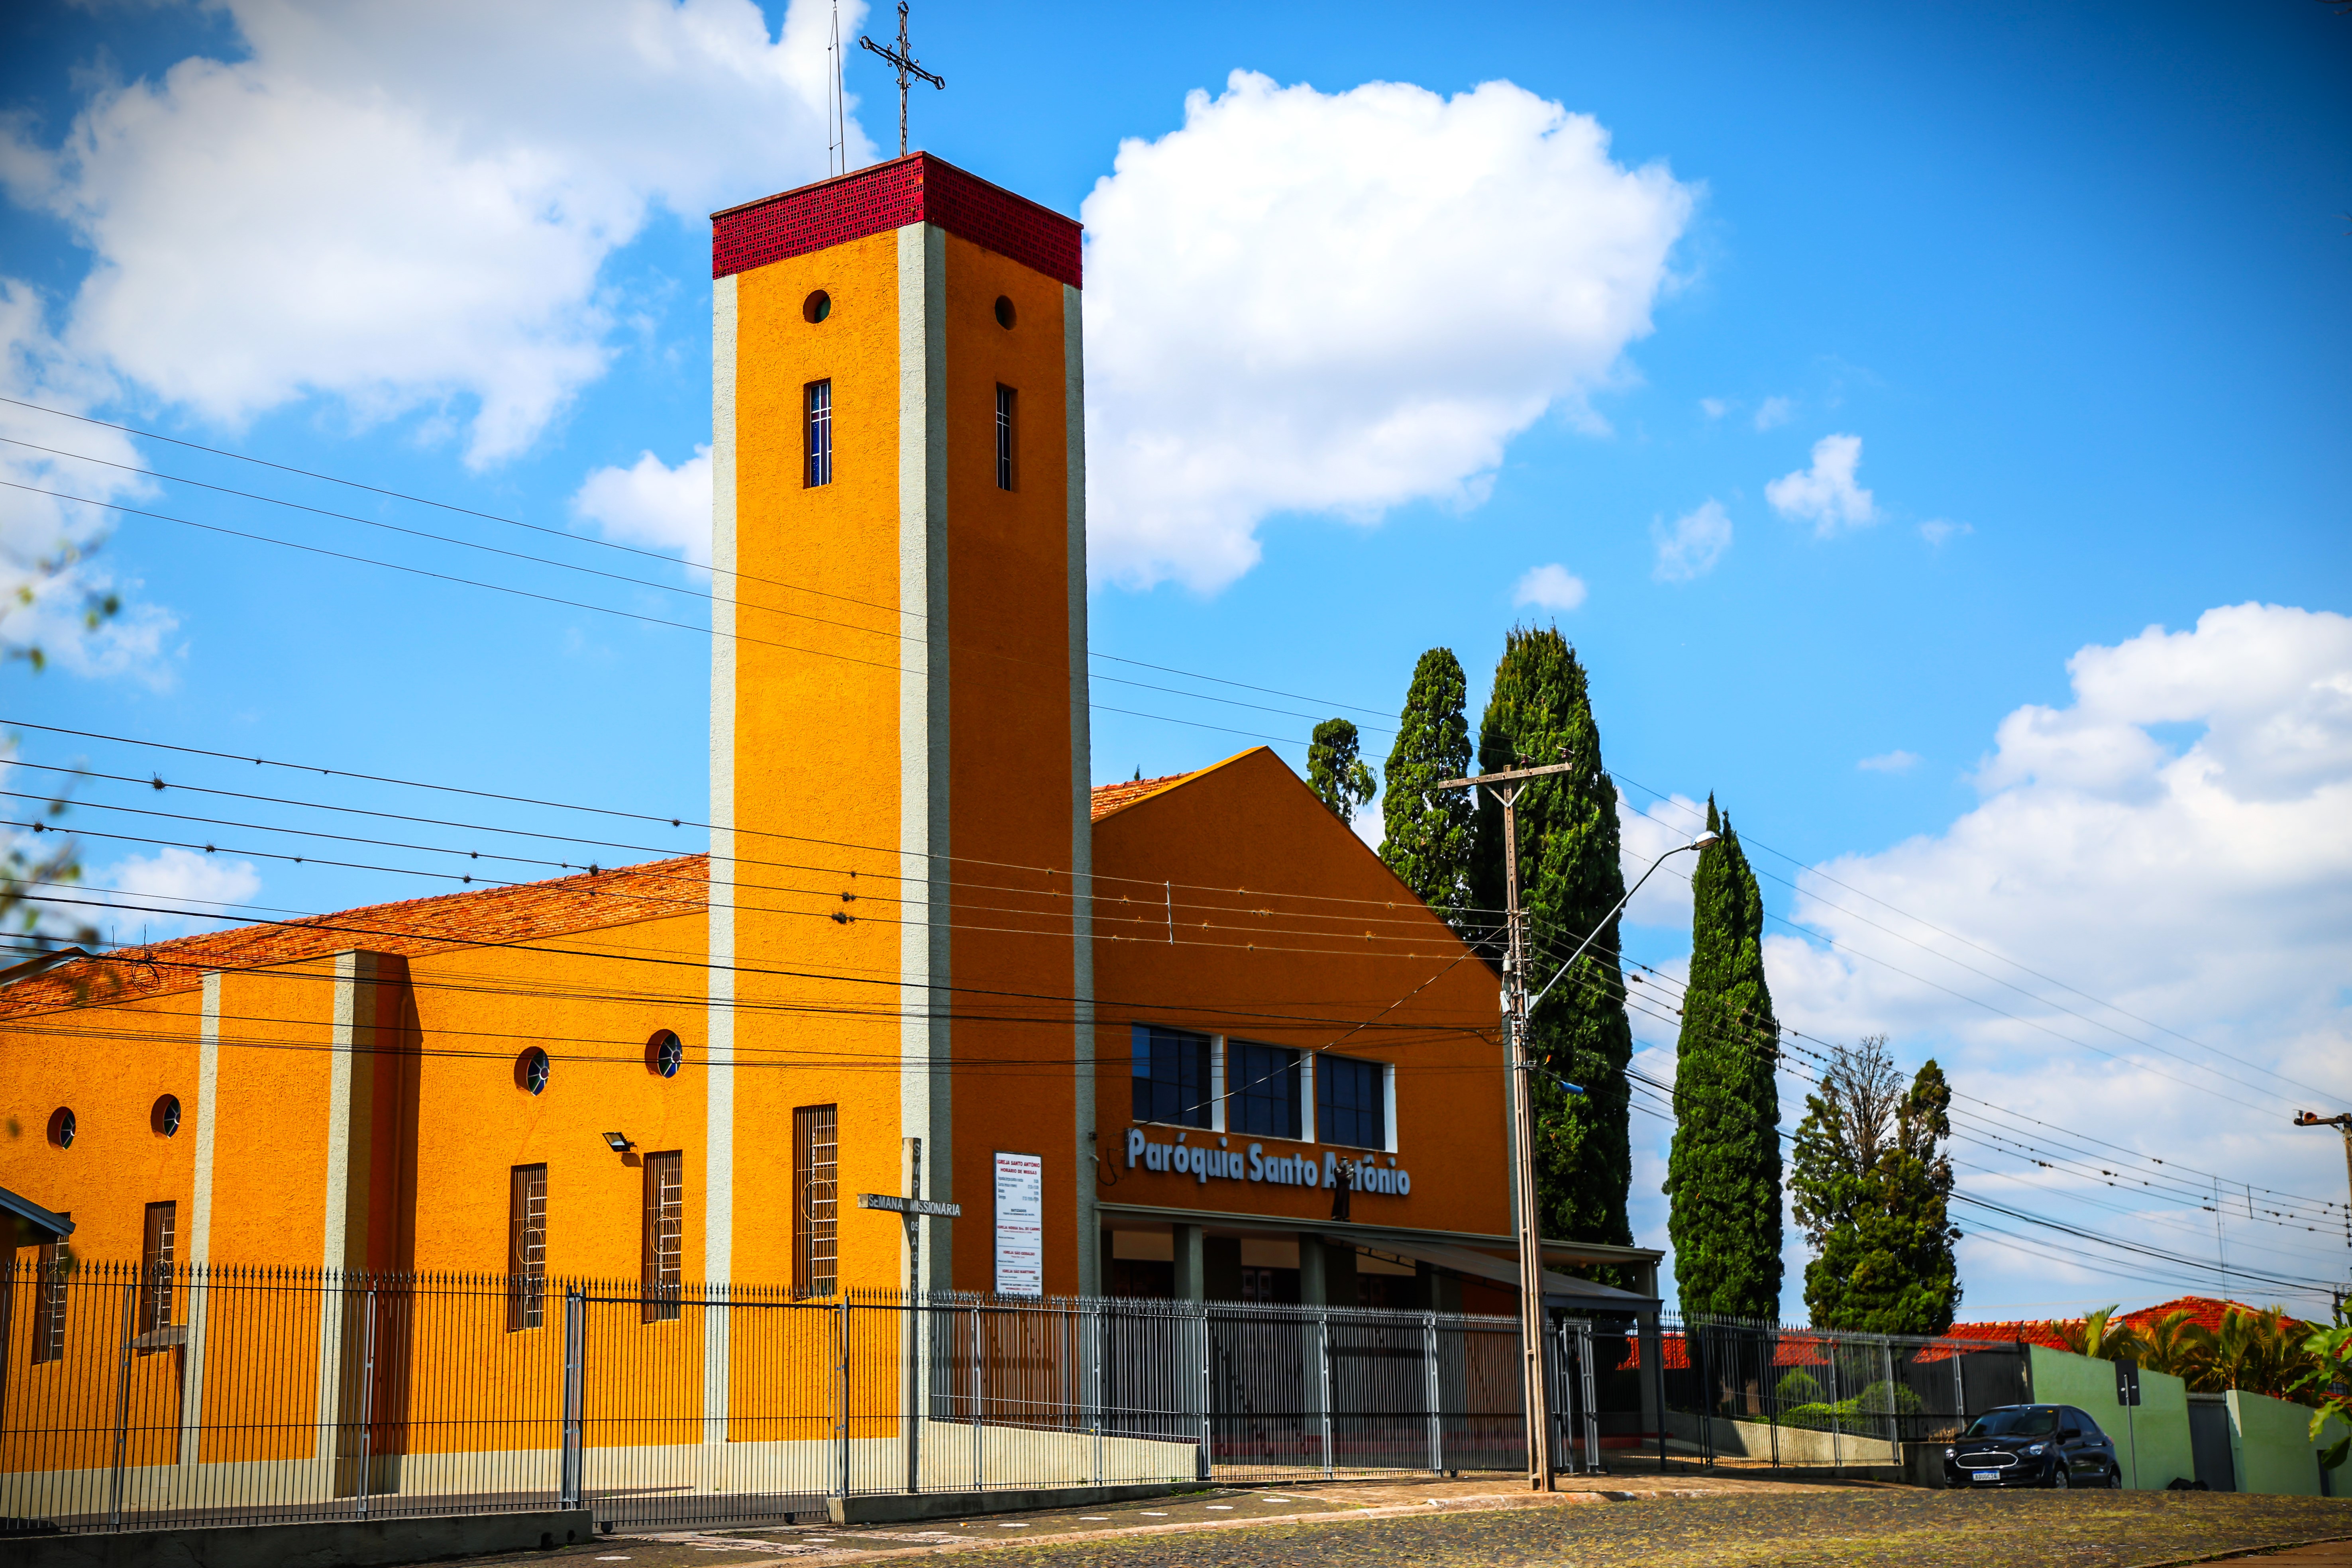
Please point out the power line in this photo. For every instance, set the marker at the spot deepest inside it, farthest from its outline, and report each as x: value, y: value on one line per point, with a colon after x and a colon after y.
x: 890, y: 851
x: 898, y: 610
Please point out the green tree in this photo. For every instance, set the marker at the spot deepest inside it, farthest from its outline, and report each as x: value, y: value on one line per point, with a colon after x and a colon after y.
x: 1335, y: 771
x: 1872, y: 1188
x: 1430, y: 834
x: 1723, y: 1176
x: 1540, y: 711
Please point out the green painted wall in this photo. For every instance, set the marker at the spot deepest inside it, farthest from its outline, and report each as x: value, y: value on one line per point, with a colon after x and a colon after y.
x: 2270, y: 1441
x: 2151, y: 1439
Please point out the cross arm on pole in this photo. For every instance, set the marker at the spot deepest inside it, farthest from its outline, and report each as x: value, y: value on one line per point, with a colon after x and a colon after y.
x: 1509, y: 776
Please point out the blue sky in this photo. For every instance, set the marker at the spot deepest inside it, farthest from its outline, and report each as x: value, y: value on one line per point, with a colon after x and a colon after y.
x: 2045, y: 310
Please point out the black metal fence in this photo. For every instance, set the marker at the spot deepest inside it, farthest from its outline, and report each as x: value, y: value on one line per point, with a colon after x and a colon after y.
x: 1736, y: 1391
x: 257, y: 1395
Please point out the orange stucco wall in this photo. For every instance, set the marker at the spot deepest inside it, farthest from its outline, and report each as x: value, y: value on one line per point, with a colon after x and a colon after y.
x: 1010, y: 765
x: 1288, y: 930
x: 817, y: 747
x: 109, y: 1065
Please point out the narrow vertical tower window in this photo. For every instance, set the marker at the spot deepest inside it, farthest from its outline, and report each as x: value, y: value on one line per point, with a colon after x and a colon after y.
x: 526, y: 1247
x: 1005, y: 398
x: 816, y: 1200
x: 665, y: 1235
x: 156, y: 1254
x: 820, y: 434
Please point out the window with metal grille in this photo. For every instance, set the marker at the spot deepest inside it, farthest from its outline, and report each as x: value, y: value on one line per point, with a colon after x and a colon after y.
x: 526, y: 1247
x: 1004, y: 397
x: 1262, y: 1089
x: 1171, y: 1077
x: 1351, y: 1104
x: 49, y: 1303
x: 816, y: 1199
x: 155, y: 1256
x: 664, y: 1234
x: 820, y: 434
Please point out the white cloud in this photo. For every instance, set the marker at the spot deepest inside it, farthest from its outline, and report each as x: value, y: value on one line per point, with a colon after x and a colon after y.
x: 1896, y: 761
x: 1695, y: 544
x: 1643, y: 836
x: 1774, y: 411
x: 1826, y: 493
x: 1714, y: 408
x: 2177, y: 841
x: 1340, y: 303
x: 1936, y: 530
x: 180, y: 880
x: 405, y: 206
x: 653, y: 505
x: 1552, y: 587
x: 52, y: 571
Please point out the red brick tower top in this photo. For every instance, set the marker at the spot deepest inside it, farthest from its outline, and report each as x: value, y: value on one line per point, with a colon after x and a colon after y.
x: 917, y: 188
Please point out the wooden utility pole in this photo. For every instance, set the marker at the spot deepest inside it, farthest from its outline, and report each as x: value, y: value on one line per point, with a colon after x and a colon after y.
x: 2342, y: 1122
x: 1505, y: 786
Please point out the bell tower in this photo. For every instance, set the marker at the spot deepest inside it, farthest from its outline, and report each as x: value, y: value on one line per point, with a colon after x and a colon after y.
x: 899, y: 730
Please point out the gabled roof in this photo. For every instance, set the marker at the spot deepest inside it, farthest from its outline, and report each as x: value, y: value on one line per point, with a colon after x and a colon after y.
x: 1115, y: 797
x: 489, y: 916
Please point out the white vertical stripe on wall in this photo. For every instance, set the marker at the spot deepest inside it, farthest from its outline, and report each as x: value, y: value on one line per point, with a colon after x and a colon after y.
x: 718, y: 1103
x: 1082, y: 827
x: 925, y: 1088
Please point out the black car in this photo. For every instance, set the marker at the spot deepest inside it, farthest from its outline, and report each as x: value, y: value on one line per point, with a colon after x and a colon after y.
x: 2032, y: 1446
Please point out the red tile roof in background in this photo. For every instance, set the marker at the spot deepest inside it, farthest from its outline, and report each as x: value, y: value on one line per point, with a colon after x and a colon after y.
x: 491, y: 916
x: 1798, y: 1348
x: 1111, y: 798
x: 916, y: 188
x: 2205, y: 1312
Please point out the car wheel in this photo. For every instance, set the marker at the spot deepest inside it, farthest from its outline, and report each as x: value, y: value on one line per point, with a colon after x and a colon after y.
x: 2115, y: 1478
x: 2058, y: 1477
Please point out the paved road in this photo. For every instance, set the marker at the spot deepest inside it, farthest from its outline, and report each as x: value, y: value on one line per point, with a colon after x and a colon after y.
x: 1663, y: 1523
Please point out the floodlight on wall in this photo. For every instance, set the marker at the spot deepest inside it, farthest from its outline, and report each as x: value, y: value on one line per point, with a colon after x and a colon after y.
x: 618, y: 1144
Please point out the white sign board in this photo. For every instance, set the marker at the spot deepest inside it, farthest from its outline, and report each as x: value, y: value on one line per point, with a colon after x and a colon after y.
x: 1020, y: 1225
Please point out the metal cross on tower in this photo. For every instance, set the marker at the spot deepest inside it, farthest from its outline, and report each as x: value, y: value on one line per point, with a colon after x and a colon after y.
x: 903, y: 56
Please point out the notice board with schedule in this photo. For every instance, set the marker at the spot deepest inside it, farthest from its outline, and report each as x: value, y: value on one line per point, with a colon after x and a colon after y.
x: 1020, y: 1225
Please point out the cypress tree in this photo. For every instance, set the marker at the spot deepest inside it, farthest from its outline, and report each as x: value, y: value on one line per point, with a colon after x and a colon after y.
x: 1723, y: 1177
x: 1872, y: 1189
x: 1540, y: 711
x: 1431, y: 832
x: 1335, y: 771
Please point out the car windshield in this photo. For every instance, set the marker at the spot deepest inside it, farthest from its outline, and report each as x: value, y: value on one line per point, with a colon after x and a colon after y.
x: 2019, y: 1423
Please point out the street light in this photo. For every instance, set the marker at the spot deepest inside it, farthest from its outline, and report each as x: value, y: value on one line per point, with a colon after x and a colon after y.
x: 1701, y: 842
x: 2342, y: 1122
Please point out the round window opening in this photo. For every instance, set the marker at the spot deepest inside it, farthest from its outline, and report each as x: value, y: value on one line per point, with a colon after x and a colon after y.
x: 61, y: 1127
x: 1003, y: 312
x: 531, y: 1071
x: 165, y: 1118
x: 665, y: 1054
x: 816, y: 307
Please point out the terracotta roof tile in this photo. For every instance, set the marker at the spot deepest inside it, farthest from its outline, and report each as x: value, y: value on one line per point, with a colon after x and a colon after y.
x: 2204, y: 1310
x: 1112, y: 797
x: 528, y: 912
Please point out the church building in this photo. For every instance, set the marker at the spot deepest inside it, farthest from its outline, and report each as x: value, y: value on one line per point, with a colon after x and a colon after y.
x: 1184, y: 1036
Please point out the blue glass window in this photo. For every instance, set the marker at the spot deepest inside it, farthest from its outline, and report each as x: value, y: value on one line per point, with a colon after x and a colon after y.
x: 1262, y: 1089
x: 1351, y: 1103
x: 1171, y: 1077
